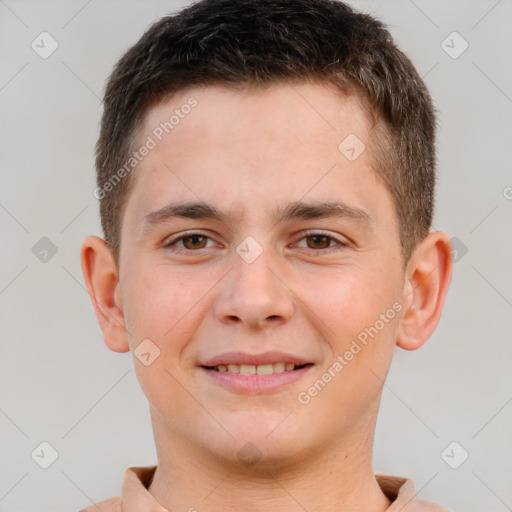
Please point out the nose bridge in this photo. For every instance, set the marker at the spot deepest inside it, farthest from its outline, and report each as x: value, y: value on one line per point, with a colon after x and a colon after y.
x: 256, y: 274
x: 254, y: 294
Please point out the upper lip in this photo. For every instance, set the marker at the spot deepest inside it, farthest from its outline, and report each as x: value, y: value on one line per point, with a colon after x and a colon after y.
x: 254, y: 359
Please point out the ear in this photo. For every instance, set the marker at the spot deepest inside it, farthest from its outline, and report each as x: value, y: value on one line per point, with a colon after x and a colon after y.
x: 102, y: 280
x: 427, y: 279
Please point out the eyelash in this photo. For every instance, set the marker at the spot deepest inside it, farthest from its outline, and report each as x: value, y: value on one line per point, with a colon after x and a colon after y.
x: 170, y: 244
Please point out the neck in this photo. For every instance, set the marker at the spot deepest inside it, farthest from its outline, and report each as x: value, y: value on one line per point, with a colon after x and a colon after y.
x: 338, y: 478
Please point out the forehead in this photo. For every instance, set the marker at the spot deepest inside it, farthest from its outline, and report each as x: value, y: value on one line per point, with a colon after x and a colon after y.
x: 257, y: 148
x: 292, y: 110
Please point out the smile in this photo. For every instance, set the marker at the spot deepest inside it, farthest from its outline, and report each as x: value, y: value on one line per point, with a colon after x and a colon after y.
x: 262, y: 369
x: 256, y: 379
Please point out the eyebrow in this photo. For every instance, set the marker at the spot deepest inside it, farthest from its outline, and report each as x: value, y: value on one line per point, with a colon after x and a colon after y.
x: 292, y: 211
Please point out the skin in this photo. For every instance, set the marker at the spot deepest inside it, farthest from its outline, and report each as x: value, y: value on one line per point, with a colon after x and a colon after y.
x: 247, y: 153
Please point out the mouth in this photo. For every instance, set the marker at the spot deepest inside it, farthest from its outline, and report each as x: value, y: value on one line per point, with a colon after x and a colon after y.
x: 261, y: 369
x: 256, y: 379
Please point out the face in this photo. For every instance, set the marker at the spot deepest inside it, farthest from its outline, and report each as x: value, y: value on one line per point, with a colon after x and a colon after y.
x: 291, y: 256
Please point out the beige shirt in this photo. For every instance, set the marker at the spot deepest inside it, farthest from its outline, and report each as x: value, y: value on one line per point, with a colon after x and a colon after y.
x: 136, y: 498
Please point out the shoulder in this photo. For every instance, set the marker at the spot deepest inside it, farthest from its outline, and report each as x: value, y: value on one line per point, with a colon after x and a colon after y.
x: 110, y: 505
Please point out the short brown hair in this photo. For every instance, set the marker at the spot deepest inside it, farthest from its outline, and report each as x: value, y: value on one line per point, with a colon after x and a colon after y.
x: 262, y: 42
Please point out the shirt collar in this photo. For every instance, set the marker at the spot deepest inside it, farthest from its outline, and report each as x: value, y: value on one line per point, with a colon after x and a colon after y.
x: 400, y: 491
x: 136, y: 497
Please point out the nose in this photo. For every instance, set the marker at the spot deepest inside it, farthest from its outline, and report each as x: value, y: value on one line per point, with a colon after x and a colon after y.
x: 254, y: 294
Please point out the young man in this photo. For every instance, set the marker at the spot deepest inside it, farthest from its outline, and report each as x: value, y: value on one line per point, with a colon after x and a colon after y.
x: 266, y: 175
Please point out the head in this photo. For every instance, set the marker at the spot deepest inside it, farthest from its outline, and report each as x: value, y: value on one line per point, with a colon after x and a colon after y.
x: 243, y: 108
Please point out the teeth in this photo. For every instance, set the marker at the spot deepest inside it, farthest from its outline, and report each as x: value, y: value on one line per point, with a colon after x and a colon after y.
x: 247, y: 369
x: 262, y: 369
x: 278, y: 367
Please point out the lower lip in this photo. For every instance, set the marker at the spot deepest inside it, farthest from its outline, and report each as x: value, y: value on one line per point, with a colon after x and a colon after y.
x: 256, y: 383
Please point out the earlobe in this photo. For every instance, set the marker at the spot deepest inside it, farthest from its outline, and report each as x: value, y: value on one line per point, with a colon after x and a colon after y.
x: 427, y: 280
x: 102, y: 280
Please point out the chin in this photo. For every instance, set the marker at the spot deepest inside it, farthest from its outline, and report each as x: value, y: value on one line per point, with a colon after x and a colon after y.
x: 260, y: 441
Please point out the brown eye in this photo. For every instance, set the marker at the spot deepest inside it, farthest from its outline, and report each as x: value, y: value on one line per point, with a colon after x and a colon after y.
x: 318, y: 241
x: 189, y: 243
x: 321, y: 242
x: 194, y: 241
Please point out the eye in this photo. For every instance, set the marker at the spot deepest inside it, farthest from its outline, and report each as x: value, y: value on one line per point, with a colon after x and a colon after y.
x: 189, y: 241
x: 321, y: 241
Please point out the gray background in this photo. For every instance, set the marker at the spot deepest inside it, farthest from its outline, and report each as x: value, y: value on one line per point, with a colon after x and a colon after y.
x: 59, y: 383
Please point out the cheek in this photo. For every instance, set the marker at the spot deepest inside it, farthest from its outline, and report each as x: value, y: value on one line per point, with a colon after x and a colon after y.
x: 353, y: 300
x: 156, y: 299
x: 362, y: 324
x: 159, y: 314
x: 362, y: 312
